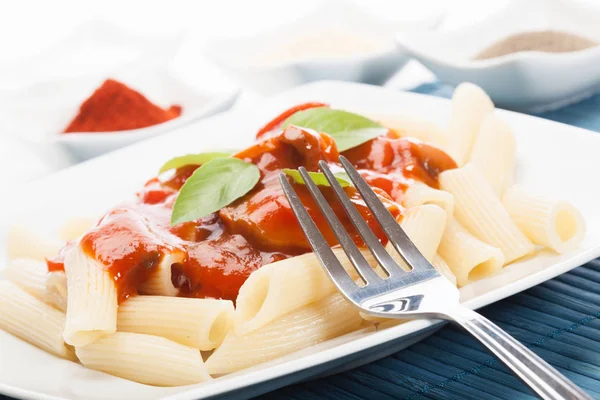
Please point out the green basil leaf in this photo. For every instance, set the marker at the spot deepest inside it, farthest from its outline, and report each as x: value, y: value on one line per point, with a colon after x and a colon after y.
x: 347, y: 129
x: 213, y: 186
x: 191, y: 159
x: 318, y: 177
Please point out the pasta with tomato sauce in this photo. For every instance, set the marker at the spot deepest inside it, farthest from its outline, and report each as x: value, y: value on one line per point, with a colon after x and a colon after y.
x: 205, y: 283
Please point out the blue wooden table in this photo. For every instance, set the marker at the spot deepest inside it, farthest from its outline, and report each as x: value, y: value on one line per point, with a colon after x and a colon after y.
x: 559, y: 320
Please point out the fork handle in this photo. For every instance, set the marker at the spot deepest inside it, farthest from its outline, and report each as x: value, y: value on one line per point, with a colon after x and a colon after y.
x: 546, y: 381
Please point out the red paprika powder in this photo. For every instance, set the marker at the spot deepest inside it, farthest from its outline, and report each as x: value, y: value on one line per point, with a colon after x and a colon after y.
x: 116, y: 107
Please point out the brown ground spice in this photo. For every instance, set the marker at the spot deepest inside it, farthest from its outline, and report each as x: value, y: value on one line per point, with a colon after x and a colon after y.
x: 546, y: 41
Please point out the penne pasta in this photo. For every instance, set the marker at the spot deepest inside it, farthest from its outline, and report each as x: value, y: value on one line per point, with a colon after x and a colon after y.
x: 30, y: 319
x: 75, y: 228
x: 556, y: 225
x: 23, y: 243
x: 480, y: 211
x: 424, y: 225
x: 419, y: 193
x: 199, y: 323
x: 152, y: 360
x: 283, y: 286
x: 56, y: 290
x: 443, y: 268
x: 327, y: 318
x: 470, y: 105
x: 92, y: 300
x: 494, y: 153
x: 468, y: 258
x: 30, y: 275
x: 414, y: 127
x: 33, y: 277
x: 209, y: 226
x: 160, y: 282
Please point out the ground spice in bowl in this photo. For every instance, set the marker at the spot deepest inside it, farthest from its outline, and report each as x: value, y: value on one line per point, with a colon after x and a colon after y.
x: 546, y: 41
x: 116, y: 107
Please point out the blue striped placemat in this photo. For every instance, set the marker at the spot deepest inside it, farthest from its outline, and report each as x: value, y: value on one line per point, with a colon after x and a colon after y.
x: 559, y: 320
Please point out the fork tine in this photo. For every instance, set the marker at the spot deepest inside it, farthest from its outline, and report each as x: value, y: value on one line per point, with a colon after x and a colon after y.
x: 361, y: 265
x: 381, y: 255
x: 326, y: 257
x: 399, y: 239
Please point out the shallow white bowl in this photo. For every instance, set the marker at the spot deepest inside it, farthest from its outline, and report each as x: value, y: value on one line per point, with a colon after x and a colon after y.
x: 93, y: 186
x: 198, y: 105
x: 36, y: 104
x: 532, y: 81
x: 241, y: 57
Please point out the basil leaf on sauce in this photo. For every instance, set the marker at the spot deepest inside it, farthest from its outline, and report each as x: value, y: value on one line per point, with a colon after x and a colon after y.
x: 347, y: 129
x: 318, y: 177
x: 213, y: 186
x: 191, y: 159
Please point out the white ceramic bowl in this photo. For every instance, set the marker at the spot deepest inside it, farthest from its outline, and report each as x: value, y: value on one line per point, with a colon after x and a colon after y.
x: 531, y: 81
x: 88, y: 145
x: 36, y: 104
x: 243, y: 58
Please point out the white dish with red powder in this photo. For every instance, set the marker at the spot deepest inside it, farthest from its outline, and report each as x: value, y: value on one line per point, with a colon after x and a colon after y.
x: 45, y: 91
x: 92, y: 187
x: 163, y: 90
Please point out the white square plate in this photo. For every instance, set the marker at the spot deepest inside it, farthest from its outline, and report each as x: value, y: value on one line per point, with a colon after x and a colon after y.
x: 553, y: 159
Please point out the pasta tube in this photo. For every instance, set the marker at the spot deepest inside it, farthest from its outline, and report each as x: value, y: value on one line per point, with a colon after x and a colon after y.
x: 152, y: 360
x: 479, y: 210
x: 325, y: 319
x: 75, y: 227
x: 199, y: 323
x: 159, y: 283
x: 470, y: 105
x: 414, y: 127
x: 424, y: 225
x: 556, y: 225
x: 443, y: 268
x: 419, y: 193
x: 30, y: 275
x: 56, y: 290
x: 494, y: 153
x: 92, y: 301
x: 33, y: 277
x: 29, y: 319
x: 469, y: 259
x: 283, y: 286
x: 23, y: 243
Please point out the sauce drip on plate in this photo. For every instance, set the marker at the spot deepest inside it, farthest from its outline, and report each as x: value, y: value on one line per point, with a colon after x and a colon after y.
x: 214, y: 255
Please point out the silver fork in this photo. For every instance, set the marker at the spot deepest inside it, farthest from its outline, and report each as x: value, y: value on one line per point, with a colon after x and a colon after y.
x: 421, y: 292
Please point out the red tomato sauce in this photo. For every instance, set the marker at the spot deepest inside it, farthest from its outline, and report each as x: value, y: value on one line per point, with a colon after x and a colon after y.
x: 221, y: 250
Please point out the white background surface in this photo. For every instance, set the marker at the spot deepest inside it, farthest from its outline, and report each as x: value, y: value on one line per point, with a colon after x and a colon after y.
x: 27, y: 27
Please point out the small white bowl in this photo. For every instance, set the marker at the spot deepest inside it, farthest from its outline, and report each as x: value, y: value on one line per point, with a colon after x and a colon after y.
x: 244, y: 58
x: 41, y: 112
x: 40, y: 102
x: 531, y: 81
x: 195, y: 105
